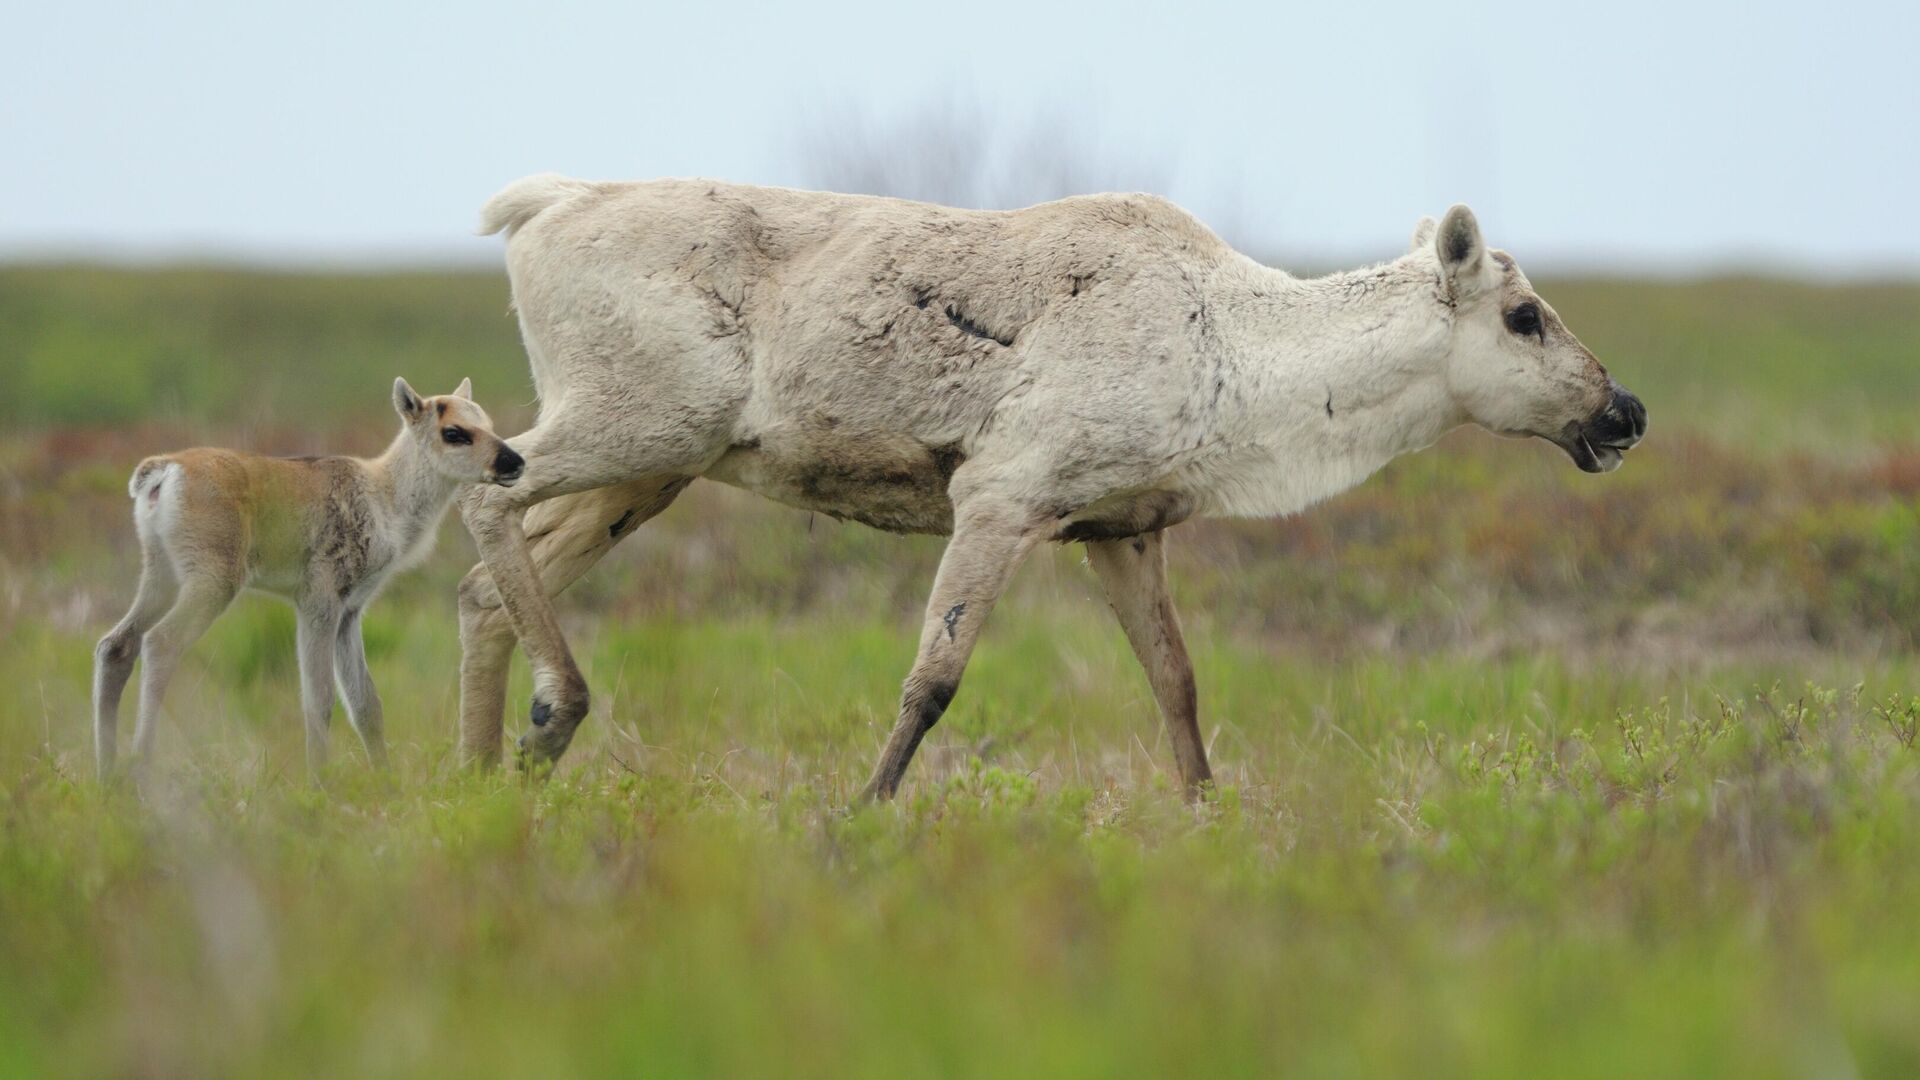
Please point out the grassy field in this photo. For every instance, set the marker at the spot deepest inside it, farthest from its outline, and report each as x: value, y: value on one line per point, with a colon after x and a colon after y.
x: 1522, y: 772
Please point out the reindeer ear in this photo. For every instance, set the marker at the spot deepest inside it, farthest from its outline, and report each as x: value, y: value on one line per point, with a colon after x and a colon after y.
x: 1423, y: 231
x: 464, y: 390
x: 405, y: 401
x: 1457, y: 241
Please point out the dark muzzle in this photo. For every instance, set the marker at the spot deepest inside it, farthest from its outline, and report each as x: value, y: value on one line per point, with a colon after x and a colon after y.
x: 1621, y: 424
x: 1598, y: 443
x: 507, y: 465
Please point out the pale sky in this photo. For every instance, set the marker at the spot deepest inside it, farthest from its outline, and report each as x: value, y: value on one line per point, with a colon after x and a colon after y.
x: 1669, y: 137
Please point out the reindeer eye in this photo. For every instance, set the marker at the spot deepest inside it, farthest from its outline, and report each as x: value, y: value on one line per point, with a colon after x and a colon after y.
x: 456, y: 436
x: 1525, y: 320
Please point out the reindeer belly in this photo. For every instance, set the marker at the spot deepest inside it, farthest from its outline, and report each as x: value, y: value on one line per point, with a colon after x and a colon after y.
x: 889, y: 481
x: 899, y: 485
x: 1120, y: 516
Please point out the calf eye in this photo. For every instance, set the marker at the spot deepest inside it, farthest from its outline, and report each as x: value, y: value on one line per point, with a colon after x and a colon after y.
x: 456, y: 436
x: 1525, y: 321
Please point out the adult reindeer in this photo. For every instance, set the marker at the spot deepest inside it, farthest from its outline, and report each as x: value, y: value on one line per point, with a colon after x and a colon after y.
x: 1096, y: 369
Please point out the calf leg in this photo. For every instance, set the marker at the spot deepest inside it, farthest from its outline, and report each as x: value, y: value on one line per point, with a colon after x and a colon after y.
x: 567, y: 535
x: 1134, y: 573
x: 114, y: 656
x: 355, y: 684
x: 990, y: 538
x: 315, y: 631
x: 204, y: 594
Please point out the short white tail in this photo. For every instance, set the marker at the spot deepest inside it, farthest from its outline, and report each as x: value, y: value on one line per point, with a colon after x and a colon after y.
x: 520, y: 201
x: 147, y: 476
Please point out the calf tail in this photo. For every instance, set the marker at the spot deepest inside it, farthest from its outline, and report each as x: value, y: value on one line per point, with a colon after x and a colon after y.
x: 523, y: 200
x: 155, y: 488
x: 148, y: 476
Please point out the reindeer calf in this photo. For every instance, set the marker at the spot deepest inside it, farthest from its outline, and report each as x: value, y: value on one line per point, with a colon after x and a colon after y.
x: 325, y: 533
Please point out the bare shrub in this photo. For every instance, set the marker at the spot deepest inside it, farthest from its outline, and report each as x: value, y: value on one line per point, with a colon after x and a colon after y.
x: 960, y: 154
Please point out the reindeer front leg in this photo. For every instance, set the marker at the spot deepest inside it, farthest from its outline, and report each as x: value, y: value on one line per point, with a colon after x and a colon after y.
x: 355, y: 683
x: 990, y: 538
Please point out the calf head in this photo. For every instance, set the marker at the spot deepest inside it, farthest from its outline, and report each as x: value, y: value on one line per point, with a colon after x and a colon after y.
x: 457, y: 436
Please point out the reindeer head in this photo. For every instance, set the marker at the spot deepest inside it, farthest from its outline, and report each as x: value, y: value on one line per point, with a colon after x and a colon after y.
x: 457, y: 436
x: 1512, y: 365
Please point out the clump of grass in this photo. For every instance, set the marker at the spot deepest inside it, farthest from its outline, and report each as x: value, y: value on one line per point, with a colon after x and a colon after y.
x: 1669, y: 889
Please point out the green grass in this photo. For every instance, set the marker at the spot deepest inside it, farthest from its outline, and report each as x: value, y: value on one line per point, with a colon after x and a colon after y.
x: 1434, y: 865
x: 1440, y: 867
x: 97, y: 347
x: 1522, y: 772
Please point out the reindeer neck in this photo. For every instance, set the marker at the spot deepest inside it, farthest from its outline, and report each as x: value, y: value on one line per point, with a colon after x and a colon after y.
x: 1337, y: 376
x: 405, y: 480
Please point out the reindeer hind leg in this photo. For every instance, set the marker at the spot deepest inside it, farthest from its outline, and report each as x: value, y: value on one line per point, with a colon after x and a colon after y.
x: 114, y: 656
x: 567, y: 535
x: 204, y: 594
x: 1134, y: 573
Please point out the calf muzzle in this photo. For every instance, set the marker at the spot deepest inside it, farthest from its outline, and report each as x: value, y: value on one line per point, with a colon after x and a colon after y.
x: 507, y: 466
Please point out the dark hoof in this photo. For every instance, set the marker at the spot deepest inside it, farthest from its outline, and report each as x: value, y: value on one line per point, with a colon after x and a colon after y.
x: 544, y: 744
x: 553, y: 725
x: 529, y: 761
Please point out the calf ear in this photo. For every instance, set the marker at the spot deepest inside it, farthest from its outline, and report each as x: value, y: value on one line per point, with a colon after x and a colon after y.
x: 1422, y: 234
x: 464, y: 390
x: 1462, y: 252
x: 405, y: 401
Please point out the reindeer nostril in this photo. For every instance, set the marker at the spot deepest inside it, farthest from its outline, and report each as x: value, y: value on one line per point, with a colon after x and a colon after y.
x: 1637, y: 415
x: 508, y: 463
x: 1628, y: 413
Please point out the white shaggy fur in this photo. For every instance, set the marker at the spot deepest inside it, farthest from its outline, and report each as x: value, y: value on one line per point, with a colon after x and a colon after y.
x: 1094, y: 369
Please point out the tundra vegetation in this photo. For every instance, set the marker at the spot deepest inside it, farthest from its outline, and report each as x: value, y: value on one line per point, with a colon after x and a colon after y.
x: 1520, y: 771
